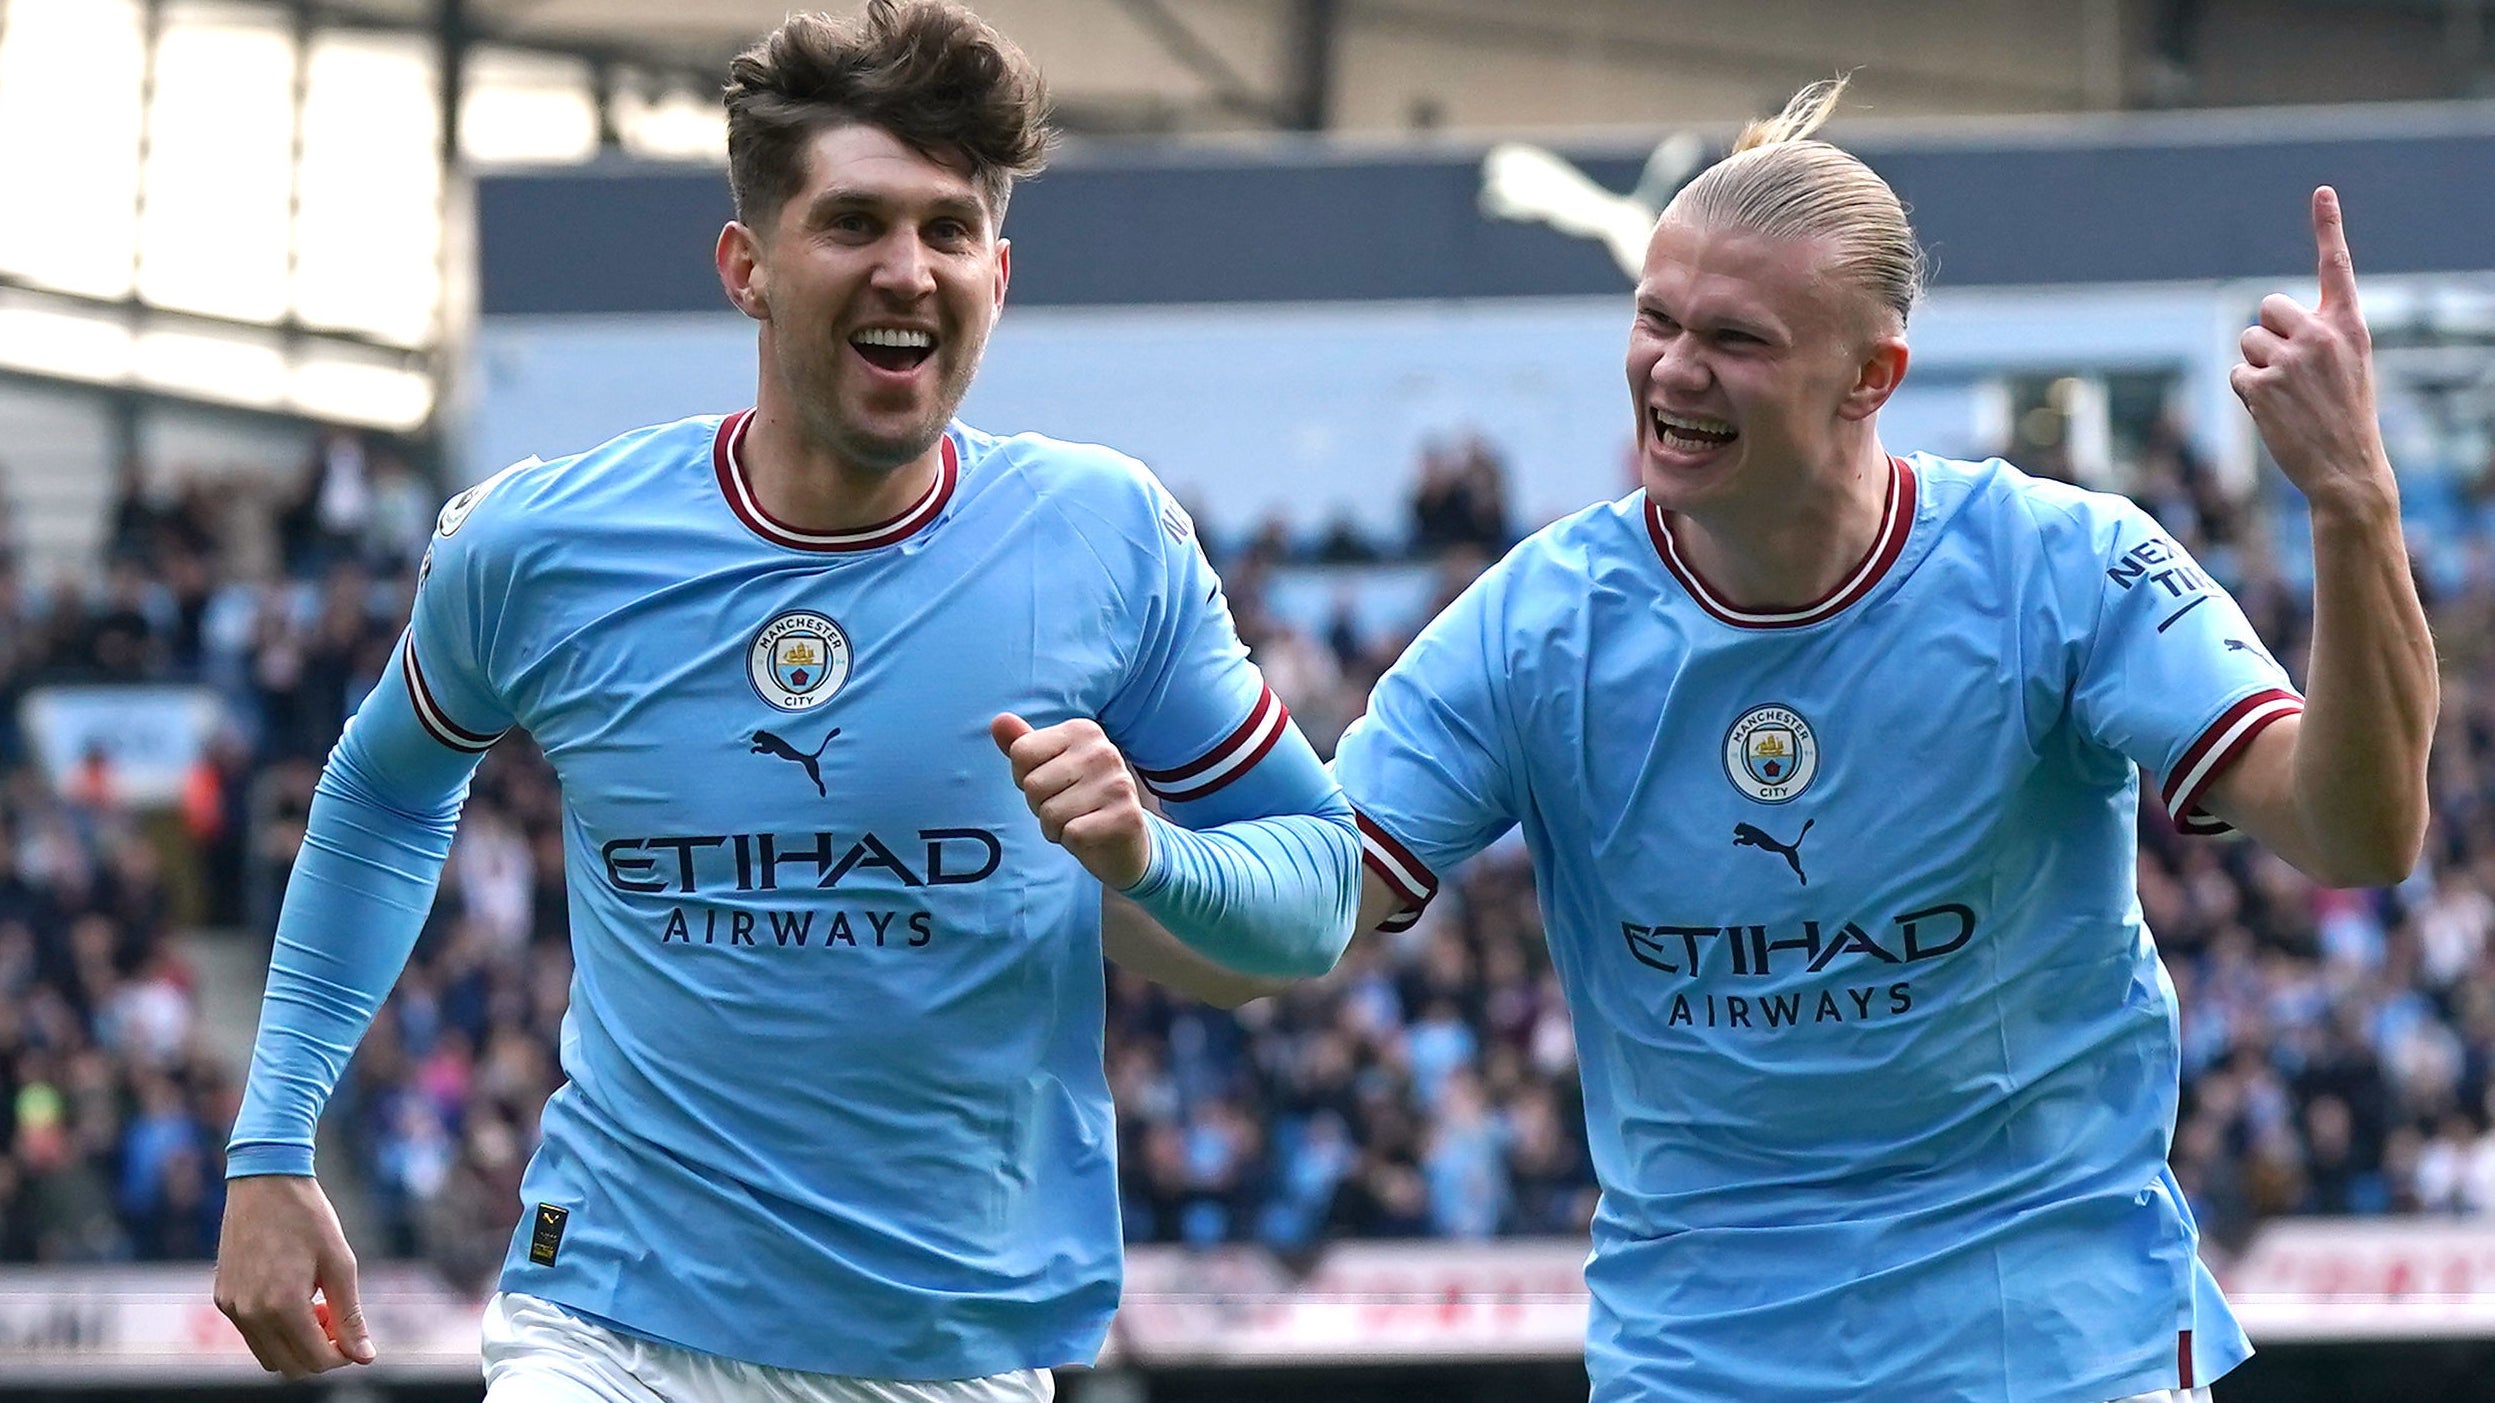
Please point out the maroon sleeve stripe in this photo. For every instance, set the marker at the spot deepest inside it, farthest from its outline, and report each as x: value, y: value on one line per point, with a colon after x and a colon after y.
x: 2218, y: 747
x: 1233, y: 756
x: 428, y: 711
x: 1407, y: 876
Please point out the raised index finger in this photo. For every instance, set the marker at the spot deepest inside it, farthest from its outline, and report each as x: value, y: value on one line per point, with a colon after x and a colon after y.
x: 2337, y: 272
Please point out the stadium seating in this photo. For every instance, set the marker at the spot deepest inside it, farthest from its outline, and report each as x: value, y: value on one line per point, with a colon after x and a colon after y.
x: 2338, y: 1047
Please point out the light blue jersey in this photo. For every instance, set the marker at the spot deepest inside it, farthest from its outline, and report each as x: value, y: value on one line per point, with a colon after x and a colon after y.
x: 835, y: 1096
x: 1880, y: 1064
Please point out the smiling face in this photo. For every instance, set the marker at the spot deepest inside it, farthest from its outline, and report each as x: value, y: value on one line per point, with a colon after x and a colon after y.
x: 877, y: 283
x: 1753, y: 370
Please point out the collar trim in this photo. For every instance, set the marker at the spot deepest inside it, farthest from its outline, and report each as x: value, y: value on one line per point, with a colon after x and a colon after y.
x: 727, y: 462
x: 1896, y: 523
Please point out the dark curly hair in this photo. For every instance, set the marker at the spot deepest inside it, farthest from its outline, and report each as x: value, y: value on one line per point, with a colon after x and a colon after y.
x: 928, y: 71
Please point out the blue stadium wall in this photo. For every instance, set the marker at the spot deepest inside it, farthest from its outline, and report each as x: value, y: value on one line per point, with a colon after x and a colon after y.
x: 1283, y: 328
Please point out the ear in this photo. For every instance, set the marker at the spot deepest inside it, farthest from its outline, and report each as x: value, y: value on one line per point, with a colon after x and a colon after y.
x: 739, y: 256
x: 1876, y: 377
x: 1004, y: 269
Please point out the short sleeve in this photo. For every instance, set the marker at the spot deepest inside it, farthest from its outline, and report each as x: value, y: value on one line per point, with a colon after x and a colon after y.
x: 2172, y: 674
x: 451, y: 628
x: 1431, y: 769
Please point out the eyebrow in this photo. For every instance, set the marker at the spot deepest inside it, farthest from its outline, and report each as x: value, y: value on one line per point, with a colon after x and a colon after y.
x: 1761, y: 330
x: 839, y: 197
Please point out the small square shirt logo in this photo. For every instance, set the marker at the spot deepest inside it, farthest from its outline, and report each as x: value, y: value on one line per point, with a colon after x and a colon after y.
x: 545, y: 1236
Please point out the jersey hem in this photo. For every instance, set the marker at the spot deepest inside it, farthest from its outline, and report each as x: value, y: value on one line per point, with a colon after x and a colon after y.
x: 2218, y: 747
x: 1059, y: 1350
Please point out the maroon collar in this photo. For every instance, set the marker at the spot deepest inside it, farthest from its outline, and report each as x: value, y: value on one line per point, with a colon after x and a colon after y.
x: 1896, y: 523
x: 725, y: 461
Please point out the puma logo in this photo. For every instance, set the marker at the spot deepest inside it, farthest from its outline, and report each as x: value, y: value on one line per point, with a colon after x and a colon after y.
x: 1533, y: 186
x: 766, y: 743
x: 1750, y: 835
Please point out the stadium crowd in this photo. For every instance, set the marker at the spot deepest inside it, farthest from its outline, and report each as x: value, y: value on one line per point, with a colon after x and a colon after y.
x: 2339, y: 1047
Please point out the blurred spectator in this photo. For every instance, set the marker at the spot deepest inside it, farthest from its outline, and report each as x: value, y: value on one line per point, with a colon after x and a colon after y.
x: 1461, y: 499
x: 2338, y: 1048
x: 333, y: 509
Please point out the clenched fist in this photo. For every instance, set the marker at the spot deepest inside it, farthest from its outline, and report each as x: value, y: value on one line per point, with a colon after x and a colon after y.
x: 1079, y: 786
x: 2308, y: 379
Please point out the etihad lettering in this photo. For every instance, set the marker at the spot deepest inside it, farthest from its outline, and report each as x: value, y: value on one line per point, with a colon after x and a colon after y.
x: 819, y: 861
x: 1760, y: 951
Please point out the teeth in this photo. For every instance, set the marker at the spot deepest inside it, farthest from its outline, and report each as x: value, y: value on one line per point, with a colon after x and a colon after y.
x: 893, y: 336
x: 1691, y: 425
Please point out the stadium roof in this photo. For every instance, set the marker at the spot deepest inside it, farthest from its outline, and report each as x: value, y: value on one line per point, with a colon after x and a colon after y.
x: 1176, y: 65
x: 693, y: 32
x: 1237, y: 61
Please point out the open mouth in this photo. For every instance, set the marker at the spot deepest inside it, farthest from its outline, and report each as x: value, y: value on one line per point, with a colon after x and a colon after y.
x: 893, y: 348
x: 1690, y: 433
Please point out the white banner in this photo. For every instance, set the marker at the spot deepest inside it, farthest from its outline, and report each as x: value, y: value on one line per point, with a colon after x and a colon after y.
x: 138, y: 741
x: 130, y: 1324
x: 1364, y: 1302
x: 2302, y: 1280
x: 2367, y: 1279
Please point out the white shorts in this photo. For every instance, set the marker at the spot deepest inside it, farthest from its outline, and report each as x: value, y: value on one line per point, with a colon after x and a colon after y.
x: 2169, y: 1395
x: 537, y: 1352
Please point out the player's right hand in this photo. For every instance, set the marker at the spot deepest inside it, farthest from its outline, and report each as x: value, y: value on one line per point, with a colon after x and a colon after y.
x: 1085, y: 798
x: 281, y: 1244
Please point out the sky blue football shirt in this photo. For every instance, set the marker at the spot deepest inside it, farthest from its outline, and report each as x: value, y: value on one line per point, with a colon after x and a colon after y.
x: 835, y: 1098
x: 1880, y: 1064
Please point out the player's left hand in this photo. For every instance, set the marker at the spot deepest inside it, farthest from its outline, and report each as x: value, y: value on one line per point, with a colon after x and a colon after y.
x: 2308, y: 379
x: 1085, y: 797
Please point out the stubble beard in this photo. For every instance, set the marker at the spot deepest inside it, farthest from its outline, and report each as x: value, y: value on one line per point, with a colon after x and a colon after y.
x: 816, y: 382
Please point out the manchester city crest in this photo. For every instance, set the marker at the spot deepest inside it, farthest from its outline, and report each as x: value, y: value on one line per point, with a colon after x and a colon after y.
x: 455, y: 512
x: 798, y: 660
x: 1770, y: 754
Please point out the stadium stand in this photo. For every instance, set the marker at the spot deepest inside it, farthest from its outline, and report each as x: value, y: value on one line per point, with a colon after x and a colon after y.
x: 2339, y: 1047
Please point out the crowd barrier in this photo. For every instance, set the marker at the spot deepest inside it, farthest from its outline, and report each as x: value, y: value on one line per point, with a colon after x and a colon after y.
x: 2342, y: 1304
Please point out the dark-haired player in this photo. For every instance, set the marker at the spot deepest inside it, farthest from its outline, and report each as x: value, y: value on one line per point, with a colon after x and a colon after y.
x: 835, y: 1124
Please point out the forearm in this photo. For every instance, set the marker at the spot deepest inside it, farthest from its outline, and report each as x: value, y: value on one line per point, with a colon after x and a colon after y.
x: 1134, y: 941
x: 2371, y: 691
x: 372, y: 855
x: 1271, y: 898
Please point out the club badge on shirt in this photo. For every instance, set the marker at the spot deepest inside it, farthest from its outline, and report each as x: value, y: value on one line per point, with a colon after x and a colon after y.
x: 798, y: 660
x: 1770, y: 754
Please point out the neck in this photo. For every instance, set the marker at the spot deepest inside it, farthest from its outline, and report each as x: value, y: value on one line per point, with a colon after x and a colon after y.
x: 1794, y: 551
x: 801, y: 482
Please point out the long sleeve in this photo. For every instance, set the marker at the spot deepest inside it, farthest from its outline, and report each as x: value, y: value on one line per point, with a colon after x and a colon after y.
x: 1274, y: 897
x: 380, y: 830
